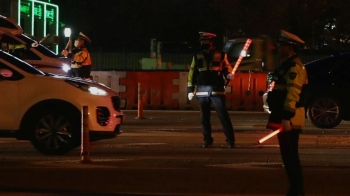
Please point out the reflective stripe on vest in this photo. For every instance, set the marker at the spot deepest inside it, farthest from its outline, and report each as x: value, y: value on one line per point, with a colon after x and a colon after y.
x: 214, y: 65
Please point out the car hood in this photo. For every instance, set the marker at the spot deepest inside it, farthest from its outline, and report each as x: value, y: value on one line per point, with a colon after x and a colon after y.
x: 62, y: 61
x: 79, y: 80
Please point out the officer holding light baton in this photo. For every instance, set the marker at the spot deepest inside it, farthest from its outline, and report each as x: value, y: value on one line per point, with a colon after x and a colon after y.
x: 206, y: 80
x: 286, y: 103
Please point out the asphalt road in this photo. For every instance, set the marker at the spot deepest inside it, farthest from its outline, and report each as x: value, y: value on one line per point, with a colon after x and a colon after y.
x: 160, y: 155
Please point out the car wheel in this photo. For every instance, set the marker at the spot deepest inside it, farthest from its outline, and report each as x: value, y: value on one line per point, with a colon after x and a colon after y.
x: 324, y: 113
x: 55, y: 133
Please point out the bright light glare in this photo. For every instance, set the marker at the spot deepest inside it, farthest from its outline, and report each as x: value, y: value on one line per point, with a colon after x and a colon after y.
x: 244, y: 53
x: 97, y: 91
x: 66, y: 68
x: 67, y: 32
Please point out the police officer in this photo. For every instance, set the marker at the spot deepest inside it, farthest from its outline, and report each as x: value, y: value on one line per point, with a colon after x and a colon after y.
x: 286, y: 102
x: 80, y: 57
x: 206, y: 80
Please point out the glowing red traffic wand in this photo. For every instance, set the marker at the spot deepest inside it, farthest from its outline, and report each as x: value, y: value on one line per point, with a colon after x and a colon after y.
x: 269, y: 135
x: 245, y: 48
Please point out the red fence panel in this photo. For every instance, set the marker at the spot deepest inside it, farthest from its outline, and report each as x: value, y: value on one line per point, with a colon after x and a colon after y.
x: 161, y: 90
x: 157, y: 87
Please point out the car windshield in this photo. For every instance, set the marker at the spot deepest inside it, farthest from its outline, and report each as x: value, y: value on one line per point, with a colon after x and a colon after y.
x: 40, y: 48
x: 19, y: 63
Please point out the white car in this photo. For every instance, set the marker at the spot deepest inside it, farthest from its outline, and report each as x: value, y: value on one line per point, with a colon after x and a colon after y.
x: 46, y: 108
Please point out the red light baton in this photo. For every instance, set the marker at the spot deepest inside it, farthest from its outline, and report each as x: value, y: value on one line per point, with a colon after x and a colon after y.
x: 239, y: 60
x: 245, y: 48
x: 269, y: 135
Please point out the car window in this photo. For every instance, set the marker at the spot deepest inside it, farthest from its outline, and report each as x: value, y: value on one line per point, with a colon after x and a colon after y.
x: 15, y: 76
x: 319, y: 67
x: 20, y: 63
x: 318, y: 71
x: 6, y: 39
x: 340, y: 73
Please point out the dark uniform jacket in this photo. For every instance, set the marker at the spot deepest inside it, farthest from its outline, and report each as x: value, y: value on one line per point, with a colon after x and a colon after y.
x: 208, y: 73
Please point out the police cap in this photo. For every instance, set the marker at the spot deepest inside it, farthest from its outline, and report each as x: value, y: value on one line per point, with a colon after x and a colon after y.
x: 206, y: 36
x: 289, y: 38
x: 84, y: 37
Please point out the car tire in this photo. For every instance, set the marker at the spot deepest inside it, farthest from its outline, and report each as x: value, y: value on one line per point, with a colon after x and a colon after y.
x: 55, y: 132
x: 324, y: 112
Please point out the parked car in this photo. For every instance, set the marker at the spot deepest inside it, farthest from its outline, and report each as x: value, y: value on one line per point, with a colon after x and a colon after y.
x: 327, y: 100
x: 46, y: 108
x: 29, y: 49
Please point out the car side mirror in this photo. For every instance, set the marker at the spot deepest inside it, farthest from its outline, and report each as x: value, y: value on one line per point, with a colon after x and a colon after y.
x: 6, y: 73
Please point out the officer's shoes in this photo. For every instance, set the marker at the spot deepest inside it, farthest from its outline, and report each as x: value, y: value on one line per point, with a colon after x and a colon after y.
x: 231, y: 146
x: 230, y: 143
x: 207, y: 145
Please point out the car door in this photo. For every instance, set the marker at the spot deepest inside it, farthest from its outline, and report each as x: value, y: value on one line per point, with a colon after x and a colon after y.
x: 340, y: 79
x: 340, y: 73
x: 8, y: 100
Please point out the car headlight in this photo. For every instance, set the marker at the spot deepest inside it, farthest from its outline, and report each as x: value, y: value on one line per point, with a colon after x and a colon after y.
x: 66, y: 68
x: 96, y: 91
x: 87, y: 88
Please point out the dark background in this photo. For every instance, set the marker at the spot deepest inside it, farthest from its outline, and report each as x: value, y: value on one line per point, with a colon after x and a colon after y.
x: 130, y: 24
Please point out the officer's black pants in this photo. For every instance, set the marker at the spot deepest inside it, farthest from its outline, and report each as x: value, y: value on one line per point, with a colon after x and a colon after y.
x: 74, y: 72
x: 220, y: 107
x: 85, y: 71
x: 289, y: 142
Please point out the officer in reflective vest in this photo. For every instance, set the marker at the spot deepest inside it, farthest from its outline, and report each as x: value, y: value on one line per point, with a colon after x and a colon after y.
x: 286, y: 103
x: 206, y: 79
x: 80, y: 57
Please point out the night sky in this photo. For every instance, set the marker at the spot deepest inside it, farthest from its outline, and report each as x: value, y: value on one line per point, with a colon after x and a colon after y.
x: 120, y: 23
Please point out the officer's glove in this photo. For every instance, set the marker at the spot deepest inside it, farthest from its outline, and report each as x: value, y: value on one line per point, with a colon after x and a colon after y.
x: 64, y: 52
x: 190, y: 96
x: 229, y: 76
x: 35, y: 44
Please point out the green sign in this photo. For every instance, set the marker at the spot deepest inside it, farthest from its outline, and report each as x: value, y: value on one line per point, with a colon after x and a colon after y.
x: 39, y: 8
x: 25, y: 8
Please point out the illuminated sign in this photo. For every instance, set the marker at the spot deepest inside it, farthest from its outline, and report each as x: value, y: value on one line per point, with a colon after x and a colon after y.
x: 38, y: 9
x: 40, y: 13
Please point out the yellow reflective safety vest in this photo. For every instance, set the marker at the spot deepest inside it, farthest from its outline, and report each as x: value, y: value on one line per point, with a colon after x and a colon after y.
x: 208, y: 72
x: 286, y: 99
